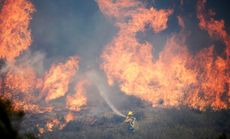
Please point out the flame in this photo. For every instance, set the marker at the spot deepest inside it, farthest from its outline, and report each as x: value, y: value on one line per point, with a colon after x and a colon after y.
x: 212, y: 87
x: 19, y: 105
x: 78, y: 100
x: 176, y: 77
x: 214, y: 27
x: 41, y: 130
x: 57, y: 79
x: 15, y: 35
x: 21, y: 79
x: 19, y: 85
x: 69, y: 117
x: 50, y: 125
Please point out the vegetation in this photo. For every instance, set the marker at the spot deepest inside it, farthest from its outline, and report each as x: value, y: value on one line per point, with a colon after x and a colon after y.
x: 156, y: 124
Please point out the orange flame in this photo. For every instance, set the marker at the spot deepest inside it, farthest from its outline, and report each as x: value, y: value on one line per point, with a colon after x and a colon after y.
x: 176, y: 78
x: 78, y: 100
x: 212, y: 87
x: 15, y: 35
x: 214, y: 27
x: 69, y: 117
x: 54, y: 123
x: 56, y: 81
x: 21, y: 79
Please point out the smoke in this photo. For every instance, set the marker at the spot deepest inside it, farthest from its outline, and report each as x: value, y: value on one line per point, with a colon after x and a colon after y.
x: 103, y: 90
x: 33, y: 59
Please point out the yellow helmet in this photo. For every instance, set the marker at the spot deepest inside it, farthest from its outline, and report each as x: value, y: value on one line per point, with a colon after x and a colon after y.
x: 130, y: 113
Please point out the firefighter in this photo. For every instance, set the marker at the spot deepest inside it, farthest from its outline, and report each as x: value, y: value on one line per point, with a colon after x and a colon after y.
x: 130, y: 119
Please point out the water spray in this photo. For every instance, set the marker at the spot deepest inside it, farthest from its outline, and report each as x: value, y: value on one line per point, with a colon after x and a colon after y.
x: 102, y: 88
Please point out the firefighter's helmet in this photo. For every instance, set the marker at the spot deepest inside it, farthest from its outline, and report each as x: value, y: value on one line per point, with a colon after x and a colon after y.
x: 130, y: 113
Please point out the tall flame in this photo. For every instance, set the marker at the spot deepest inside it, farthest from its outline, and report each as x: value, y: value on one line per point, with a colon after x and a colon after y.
x: 176, y: 77
x: 57, y: 79
x: 214, y: 27
x: 212, y: 86
x: 19, y: 81
x: 15, y: 35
